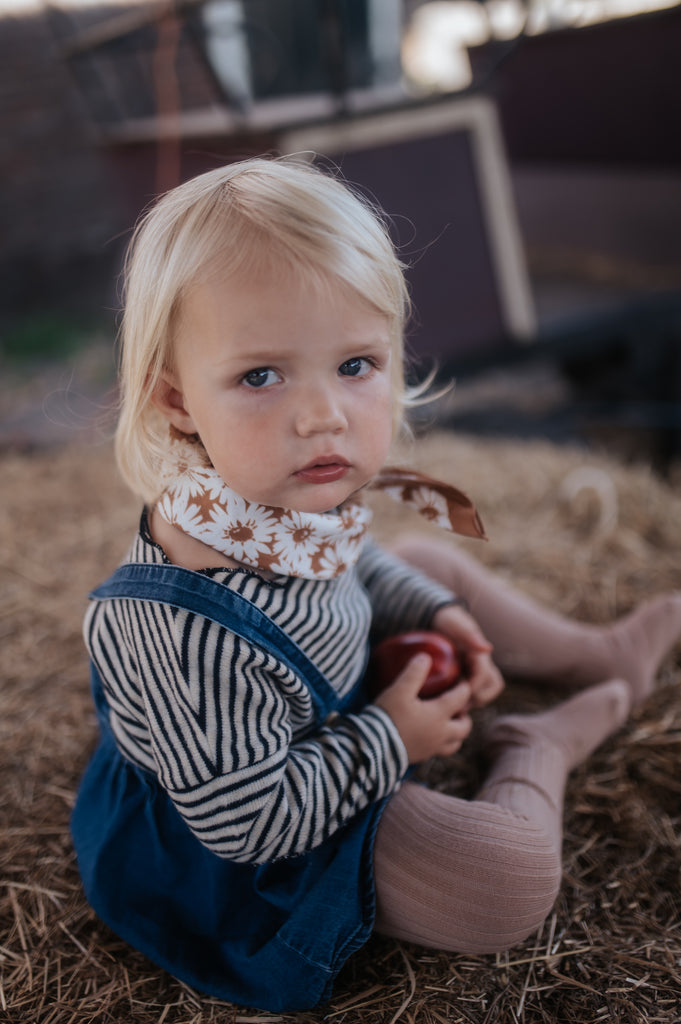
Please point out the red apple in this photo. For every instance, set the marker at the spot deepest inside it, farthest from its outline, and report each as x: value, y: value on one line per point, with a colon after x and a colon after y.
x: 392, y: 655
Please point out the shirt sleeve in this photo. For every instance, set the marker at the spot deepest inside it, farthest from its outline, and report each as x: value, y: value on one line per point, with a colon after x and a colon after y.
x: 402, y: 598
x: 227, y: 732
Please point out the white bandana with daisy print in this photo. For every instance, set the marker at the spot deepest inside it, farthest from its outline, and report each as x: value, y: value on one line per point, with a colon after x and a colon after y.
x: 283, y: 541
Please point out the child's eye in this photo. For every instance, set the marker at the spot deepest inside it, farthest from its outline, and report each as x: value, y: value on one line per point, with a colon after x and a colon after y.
x: 261, y: 378
x: 356, y: 367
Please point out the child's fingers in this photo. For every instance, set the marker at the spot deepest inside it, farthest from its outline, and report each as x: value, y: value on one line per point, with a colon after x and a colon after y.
x: 461, y: 727
x: 427, y: 727
x: 455, y: 700
x: 414, y: 674
x: 474, y: 639
x: 479, y: 645
x: 485, y: 679
x: 460, y: 626
x: 458, y: 730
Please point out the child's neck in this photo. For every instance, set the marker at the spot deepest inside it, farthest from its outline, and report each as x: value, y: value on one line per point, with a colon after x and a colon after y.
x: 189, y: 552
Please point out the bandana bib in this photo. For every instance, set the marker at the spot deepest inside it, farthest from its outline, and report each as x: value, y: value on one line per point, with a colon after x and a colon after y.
x: 283, y: 541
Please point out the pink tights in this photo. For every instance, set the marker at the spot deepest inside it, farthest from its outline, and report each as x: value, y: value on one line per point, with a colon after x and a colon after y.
x: 478, y: 876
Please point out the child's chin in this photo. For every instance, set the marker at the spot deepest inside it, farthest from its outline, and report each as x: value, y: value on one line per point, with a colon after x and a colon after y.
x: 325, y: 498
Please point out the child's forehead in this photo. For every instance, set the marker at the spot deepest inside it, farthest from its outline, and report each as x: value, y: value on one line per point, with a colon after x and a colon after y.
x: 241, y: 313
x: 275, y: 277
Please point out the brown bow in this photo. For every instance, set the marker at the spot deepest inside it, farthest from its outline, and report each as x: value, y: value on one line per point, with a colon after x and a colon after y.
x: 454, y: 511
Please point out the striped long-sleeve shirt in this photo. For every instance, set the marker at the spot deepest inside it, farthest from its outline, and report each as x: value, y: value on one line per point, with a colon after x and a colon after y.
x: 226, y: 726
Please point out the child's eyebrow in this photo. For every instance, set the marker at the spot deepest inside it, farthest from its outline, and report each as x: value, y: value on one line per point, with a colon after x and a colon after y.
x: 264, y: 354
x: 373, y: 339
x: 259, y: 355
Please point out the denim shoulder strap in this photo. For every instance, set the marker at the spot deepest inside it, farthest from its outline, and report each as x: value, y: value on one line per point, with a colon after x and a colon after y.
x: 184, y: 588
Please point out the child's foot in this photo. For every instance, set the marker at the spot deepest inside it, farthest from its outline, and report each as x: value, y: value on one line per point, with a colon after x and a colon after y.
x: 577, y: 726
x: 639, y: 642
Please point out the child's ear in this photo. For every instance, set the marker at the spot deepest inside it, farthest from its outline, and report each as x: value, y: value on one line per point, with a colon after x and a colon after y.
x: 168, y: 397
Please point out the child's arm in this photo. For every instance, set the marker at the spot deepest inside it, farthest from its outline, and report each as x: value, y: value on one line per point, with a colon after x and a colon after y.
x: 403, y: 598
x: 224, y: 726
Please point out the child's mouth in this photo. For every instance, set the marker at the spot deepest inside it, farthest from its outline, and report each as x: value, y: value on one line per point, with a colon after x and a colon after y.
x: 325, y: 471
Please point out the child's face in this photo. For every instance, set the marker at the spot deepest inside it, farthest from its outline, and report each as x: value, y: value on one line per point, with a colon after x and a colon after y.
x: 289, y: 389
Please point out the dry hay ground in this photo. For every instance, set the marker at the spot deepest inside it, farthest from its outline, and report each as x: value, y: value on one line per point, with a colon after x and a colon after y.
x: 579, y: 531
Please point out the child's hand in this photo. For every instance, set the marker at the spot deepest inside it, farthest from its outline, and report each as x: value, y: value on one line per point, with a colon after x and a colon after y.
x: 485, y: 680
x: 428, y: 728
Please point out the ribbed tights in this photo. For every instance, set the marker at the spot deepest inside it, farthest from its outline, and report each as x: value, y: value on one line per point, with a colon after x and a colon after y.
x: 478, y: 876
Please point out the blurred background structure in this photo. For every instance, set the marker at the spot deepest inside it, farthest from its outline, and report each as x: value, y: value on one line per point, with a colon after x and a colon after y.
x: 526, y: 151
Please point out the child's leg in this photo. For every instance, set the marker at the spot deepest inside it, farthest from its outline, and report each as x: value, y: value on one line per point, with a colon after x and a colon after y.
x: 479, y: 876
x: 533, y: 642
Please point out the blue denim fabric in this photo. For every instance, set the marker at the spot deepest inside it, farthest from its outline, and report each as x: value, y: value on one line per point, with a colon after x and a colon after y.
x: 272, y: 936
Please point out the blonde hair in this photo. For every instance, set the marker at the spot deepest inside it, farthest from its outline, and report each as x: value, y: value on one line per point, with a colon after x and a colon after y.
x: 258, y: 213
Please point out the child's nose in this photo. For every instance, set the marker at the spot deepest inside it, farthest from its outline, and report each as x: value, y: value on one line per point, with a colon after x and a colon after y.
x: 320, y: 412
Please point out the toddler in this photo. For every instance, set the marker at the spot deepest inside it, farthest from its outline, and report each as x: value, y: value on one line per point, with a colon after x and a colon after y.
x: 247, y: 819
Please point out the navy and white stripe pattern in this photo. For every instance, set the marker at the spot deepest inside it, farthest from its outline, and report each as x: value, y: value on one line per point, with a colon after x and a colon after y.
x: 226, y: 726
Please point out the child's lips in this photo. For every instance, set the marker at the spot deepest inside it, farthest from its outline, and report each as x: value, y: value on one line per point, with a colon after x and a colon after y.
x: 324, y: 470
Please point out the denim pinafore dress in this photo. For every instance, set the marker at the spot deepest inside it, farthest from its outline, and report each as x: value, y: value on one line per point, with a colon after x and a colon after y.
x: 271, y: 936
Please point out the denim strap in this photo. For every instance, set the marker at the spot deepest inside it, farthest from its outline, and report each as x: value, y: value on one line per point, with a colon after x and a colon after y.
x: 195, y: 592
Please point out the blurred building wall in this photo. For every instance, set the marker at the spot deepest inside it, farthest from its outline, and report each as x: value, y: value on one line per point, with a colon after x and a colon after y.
x: 59, y: 210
